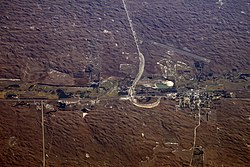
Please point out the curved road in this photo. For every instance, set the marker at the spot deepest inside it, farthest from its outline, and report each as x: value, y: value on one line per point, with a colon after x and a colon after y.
x: 141, y: 67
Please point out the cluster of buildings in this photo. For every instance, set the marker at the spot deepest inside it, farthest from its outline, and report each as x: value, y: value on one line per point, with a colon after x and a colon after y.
x: 190, y: 87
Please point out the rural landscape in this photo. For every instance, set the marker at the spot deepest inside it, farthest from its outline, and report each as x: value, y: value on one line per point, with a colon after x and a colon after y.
x: 126, y: 83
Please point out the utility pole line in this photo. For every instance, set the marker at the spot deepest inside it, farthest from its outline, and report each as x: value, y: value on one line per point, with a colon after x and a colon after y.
x: 43, y: 136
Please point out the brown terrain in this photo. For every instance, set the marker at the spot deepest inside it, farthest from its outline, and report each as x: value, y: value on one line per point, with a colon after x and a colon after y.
x: 50, y: 41
x: 124, y: 136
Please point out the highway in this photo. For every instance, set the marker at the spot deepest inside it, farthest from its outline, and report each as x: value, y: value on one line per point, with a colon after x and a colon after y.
x: 87, y: 100
x: 141, y: 67
x: 56, y: 100
x: 151, y: 105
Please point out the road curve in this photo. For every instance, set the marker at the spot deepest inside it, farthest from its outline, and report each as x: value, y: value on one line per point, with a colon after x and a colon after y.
x: 141, y: 67
x: 151, y: 105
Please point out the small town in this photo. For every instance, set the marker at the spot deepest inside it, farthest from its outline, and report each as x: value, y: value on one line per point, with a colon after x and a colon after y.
x: 125, y: 83
x: 190, y: 87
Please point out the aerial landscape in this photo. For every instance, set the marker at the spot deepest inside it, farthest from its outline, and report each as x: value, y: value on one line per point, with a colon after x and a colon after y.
x: 125, y: 83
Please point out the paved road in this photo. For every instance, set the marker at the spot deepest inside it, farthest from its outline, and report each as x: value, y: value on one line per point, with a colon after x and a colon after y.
x: 141, y: 67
